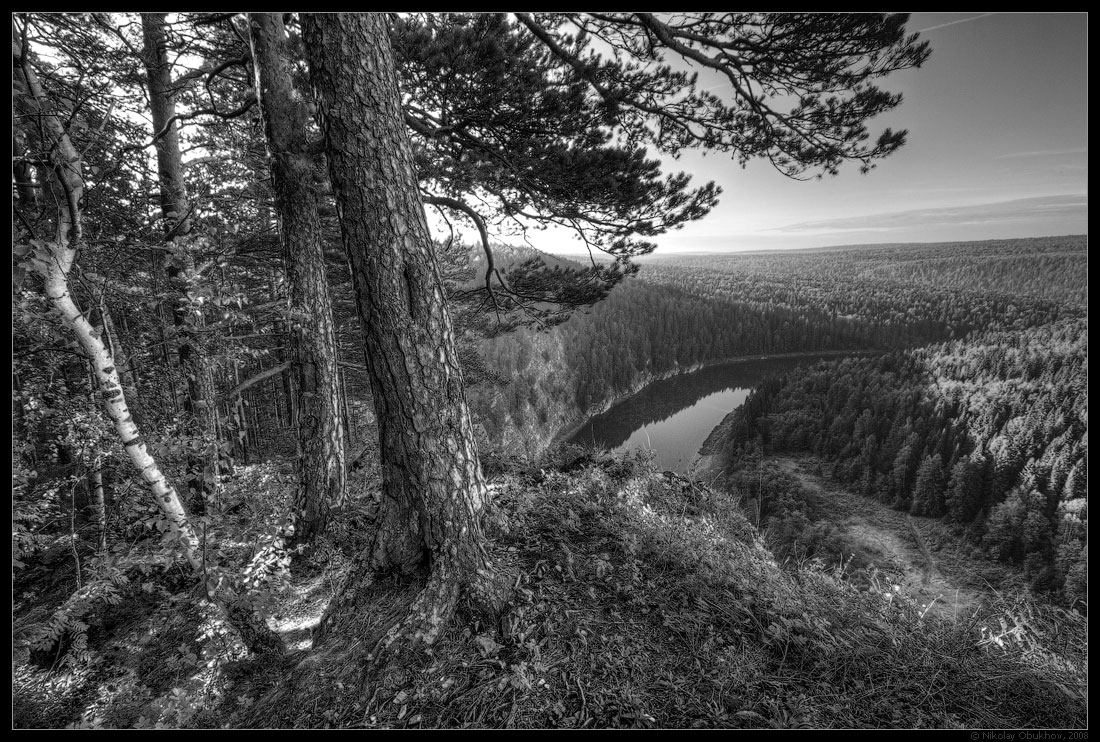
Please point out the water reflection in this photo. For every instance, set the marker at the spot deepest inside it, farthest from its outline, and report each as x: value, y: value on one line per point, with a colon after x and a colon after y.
x: 674, y: 416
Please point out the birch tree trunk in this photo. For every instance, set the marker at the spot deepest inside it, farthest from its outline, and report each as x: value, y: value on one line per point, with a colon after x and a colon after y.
x: 312, y: 337
x: 433, y: 490
x: 54, y: 261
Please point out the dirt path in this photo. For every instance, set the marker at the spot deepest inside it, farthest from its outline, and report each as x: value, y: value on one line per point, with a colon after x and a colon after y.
x: 901, y: 543
x: 712, y: 458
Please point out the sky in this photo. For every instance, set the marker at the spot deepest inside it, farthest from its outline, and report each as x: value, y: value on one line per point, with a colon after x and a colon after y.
x: 997, y: 148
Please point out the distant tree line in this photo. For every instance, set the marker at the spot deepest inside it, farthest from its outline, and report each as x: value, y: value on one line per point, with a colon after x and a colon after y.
x: 686, y: 311
x: 640, y: 332
x: 1046, y: 268
x: 902, y: 295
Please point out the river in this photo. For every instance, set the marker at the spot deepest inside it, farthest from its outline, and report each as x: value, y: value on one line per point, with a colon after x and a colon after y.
x: 674, y: 416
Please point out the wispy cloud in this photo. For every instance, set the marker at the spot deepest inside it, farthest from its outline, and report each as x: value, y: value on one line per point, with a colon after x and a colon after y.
x: 955, y: 23
x: 1018, y: 211
x: 1044, y: 153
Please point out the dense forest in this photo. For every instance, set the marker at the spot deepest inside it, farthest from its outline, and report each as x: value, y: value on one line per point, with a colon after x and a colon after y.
x: 907, y: 295
x: 990, y: 433
x: 281, y: 445
x: 643, y: 331
x: 685, y: 311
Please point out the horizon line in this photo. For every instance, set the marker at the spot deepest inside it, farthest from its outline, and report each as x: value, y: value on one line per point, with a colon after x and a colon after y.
x: 657, y: 254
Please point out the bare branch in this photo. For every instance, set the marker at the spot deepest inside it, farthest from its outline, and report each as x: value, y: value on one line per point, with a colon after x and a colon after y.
x: 253, y: 381
x: 249, y: 102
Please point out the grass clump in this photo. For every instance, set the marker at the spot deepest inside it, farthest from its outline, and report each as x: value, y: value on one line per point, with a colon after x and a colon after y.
x: 642, y: 599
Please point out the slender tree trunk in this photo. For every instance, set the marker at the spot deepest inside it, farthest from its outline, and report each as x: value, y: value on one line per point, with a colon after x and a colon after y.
x: 433, y: 491
x: 240, y: 428
x: 162, y: 107
x: 312, y: 336
x: 22, y: 171
x: 55, y: 262
x: 176, y: 207
x: 55, y: 269
x: 99, y: 499
x: 156, y: 271
x: 125, y: 367
x: 255, y: 421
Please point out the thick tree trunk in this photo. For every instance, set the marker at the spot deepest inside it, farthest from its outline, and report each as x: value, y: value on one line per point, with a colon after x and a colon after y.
x: 312, y: 336
x: 433, y: 491
x: 198, y: 402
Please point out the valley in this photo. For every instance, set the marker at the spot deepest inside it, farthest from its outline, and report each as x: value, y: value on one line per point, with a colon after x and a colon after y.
x: 921, y: 557
x: 524, y: 370
x: 673, y: 416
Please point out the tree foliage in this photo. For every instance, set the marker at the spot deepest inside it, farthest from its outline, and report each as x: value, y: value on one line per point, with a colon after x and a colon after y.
x: 179, y: 285
x: 1003, y: 411
x: 551, y: 119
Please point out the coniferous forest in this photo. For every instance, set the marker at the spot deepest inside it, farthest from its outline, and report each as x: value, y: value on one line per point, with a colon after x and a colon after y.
x: 292, y: 392
x: 989, y: 433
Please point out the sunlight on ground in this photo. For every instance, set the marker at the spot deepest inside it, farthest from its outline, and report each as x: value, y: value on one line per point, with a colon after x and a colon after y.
x: 295, y: 619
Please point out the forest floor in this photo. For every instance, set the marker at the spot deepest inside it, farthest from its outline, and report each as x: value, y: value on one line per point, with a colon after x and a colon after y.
x: 924, y: 559
x: 641, y: 599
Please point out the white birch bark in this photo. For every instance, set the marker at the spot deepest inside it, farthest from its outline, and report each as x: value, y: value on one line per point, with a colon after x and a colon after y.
x: 54, y: 261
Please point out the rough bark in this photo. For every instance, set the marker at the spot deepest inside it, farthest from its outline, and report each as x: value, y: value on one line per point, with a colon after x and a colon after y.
x: 176, y: 208
x: 312, y: 335
x: 433, y: 491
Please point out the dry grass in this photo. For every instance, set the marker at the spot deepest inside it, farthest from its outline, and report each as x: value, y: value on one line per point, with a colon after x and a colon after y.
x: 644, y: 600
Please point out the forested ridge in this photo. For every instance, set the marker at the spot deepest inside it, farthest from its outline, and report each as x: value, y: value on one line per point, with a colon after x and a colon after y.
x: 641, y: 332
x: 904, y: 294
x: 990, y: 433
x: 684, y: 311
x: 281, y: 451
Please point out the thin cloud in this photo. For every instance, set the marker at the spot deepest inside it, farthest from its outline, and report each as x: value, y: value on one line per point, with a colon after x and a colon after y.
x: 1044, y: 153
x: 1043, y: 208
x: 955, y: 23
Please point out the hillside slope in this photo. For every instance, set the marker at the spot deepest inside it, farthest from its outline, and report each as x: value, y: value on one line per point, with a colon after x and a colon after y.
x: 640, y: 599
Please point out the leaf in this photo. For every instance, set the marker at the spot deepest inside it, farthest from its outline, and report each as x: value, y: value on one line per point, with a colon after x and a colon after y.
x: 487, y: 646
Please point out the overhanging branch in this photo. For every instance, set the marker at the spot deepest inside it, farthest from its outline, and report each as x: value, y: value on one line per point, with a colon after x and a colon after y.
x: 253, y: 381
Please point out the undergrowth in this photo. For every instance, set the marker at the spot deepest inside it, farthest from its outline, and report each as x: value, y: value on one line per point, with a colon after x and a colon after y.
x: 643, y: 599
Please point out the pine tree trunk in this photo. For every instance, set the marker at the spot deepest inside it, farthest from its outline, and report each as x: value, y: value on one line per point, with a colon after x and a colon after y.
x: 198, y: 402
x: 433, y: 491
x: 312, y: 336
